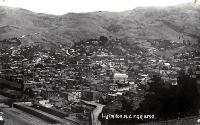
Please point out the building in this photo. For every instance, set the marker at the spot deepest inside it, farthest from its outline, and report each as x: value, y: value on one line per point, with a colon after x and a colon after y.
x: 46, y: 103
x: 57, y: 101
x: 2, y: 121
x: 91, y: 95
x: 49, y: 93
x: 113, y: 87
x: 73, y: 95
x: 120, y: 77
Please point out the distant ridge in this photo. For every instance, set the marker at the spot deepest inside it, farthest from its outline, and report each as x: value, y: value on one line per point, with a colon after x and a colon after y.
x: 176, y: 23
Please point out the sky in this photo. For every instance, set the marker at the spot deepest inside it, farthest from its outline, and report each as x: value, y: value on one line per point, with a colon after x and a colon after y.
x: 59, y: 7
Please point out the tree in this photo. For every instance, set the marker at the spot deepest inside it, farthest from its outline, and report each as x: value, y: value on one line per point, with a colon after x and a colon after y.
x: 126, y: 105
x: 29, y: 92
x: 188, y: 95
x: 103, y: 40
x: 172, y: 102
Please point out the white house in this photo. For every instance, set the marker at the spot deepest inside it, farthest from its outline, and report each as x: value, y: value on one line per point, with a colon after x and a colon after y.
x: 120, y: 77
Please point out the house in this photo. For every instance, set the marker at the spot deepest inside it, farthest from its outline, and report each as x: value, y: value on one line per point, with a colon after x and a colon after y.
x: 57, y: 101
x: 91, y: 95
x: 27, y: 85
x: 113, y: 87
x: 25, y: 62
x: 31, y: 92
x: 120, y: 77
x: 49, y: 93
x: 73, y: 95
x: 1, y: 67
x: 45, y: 103
x: 103, y: 88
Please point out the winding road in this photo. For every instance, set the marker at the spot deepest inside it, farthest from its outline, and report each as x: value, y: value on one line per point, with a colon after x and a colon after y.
x: 95, y: 113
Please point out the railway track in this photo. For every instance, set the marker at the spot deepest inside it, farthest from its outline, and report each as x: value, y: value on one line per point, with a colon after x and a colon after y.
x: 29, y: 119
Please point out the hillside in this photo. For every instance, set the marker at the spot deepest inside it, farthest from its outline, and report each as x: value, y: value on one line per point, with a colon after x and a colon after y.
x: 176, y: 23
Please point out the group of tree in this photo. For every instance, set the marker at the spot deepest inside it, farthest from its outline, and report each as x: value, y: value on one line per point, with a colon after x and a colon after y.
x: 171, y: 102
x: 165, y: 102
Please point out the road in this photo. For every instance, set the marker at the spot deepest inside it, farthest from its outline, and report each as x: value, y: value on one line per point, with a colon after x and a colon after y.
x: 95, y: 113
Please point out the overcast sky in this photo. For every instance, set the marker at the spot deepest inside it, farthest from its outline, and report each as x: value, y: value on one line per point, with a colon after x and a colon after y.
x: 59, y: 7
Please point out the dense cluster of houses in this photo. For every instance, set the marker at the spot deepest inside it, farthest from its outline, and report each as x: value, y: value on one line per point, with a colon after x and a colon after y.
x: 89, y: 71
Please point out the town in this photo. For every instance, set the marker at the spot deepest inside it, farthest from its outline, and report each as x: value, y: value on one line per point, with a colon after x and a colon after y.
x: 100, y: 70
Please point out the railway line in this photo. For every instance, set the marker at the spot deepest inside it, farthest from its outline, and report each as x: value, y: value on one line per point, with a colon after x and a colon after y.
x: 26, y: 118
x: 22, y: 117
